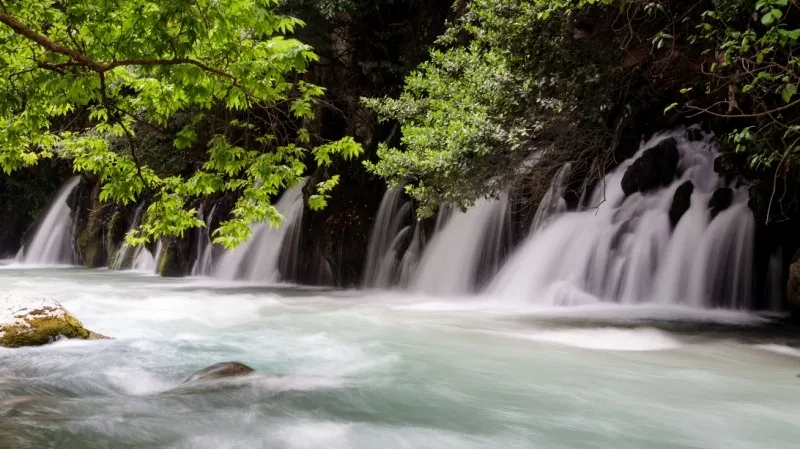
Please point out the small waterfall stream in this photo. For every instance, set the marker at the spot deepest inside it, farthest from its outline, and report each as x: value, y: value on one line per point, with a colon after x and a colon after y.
x: 624, y: 249
x: 134, y: 258
x: 451, y: 261
x: 463, y: 245
x: 53, y: 241
x: 384, y: 265
x: 203, y: 264
x: 258, y: 259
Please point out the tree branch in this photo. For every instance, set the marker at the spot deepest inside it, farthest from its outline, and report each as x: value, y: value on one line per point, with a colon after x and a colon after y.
x: 44, y: 42
x: 78, y: 59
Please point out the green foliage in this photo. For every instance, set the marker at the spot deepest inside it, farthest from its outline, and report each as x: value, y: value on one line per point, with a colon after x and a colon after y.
x: 517, y: 86
x: 508, y: 82
x: 83, y: 79
x: 757, y: 70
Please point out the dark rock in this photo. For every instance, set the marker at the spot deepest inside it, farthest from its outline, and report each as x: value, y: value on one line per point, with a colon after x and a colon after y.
x: 654, y: 169
x: 720, y: 201
x: 221, y: 370
x: 175, y: 259
x: 793, y: 284
x: 680, y: 202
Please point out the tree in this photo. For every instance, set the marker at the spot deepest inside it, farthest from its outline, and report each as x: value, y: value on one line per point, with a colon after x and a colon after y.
x: 83, y: 79
x: 504, y: 88
x: 515, y: 82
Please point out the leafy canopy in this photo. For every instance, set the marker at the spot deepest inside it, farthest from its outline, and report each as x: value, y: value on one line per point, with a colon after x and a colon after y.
x: 506, y: 85
x: 516, y: 82
x: 83, y: 79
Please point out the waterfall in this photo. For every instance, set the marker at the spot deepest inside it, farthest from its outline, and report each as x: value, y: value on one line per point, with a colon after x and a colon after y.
x: 552, y: 202
x: 134, y: 258
x: 53, y: 241
x: 628, y: 248
x: 258, y: 259
x: 203, y: 263
x: 450, y: 263
x: 390, y: 232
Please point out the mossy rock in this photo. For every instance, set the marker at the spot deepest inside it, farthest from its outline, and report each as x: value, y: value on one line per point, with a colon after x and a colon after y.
x: 30, y: 321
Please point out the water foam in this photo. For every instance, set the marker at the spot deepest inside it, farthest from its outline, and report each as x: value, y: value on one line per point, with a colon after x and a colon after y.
x: 616, y: 339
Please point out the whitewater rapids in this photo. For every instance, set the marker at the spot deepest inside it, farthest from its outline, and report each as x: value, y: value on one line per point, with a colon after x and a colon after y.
x: 371, y: 369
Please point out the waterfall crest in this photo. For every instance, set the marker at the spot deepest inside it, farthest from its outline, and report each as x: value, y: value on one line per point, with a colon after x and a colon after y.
x: 258, y: 259
x: 640, y: 247
x: 53, y: 241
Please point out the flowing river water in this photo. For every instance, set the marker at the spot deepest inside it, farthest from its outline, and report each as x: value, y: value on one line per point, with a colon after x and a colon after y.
x: 375, y: 369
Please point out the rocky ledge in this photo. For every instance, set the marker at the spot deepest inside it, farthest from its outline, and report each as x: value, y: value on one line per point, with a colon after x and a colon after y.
x: 27, y: 320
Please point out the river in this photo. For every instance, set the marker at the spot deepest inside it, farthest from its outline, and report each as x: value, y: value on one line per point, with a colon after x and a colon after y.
x: 343, y: 368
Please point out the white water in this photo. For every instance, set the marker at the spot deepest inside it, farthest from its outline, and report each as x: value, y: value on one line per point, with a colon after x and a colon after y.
x: 450, y: 262
x: 390, y: 232
x: 463, y: 245
x: 624, y: 250
x: 134, y: 258
x: 369, y: 369
x: 52, y: 242
x: 258, y: 259
x: 204, y: 264
x: 552, y: 202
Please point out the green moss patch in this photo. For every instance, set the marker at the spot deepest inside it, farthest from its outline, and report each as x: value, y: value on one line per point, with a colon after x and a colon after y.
x: 42, y: 330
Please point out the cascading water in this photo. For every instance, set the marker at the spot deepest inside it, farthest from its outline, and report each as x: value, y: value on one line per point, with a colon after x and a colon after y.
x: 53, y: 241
x: 552, y: 202
x: 203, y: 264
x: 625, y: 249
x: 258, y: 259
x: 386, y: 249
x: 134, y: 258
x: 450, y: 263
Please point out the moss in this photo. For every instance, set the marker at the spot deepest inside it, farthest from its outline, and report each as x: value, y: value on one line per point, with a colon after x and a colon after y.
x: 111, y: 231
x: 43, y: 330
x: 174, y: 259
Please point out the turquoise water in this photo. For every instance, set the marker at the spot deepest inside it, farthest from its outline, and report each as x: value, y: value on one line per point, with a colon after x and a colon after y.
x: 377, y: 369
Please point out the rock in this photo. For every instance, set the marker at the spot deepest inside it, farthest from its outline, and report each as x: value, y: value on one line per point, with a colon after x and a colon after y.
x: 654, y: 169
x: 221, y: 370
x: 27, y: 320
x: 680, y: 202
x: 793, y: 284
x: 720, y: 201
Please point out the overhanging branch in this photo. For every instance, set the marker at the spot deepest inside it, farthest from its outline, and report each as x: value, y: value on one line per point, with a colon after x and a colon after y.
x: 78, y: 59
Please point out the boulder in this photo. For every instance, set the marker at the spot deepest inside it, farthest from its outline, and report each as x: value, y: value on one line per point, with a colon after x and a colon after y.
x: 655, y: 168
x: 681, y: 202
x: 27, y: 320
x: 220, y: 370
x: 720, y: 201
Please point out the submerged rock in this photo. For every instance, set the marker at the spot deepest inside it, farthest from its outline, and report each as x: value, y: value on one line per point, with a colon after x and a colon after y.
x: 681, y: 202
x: 31, y: 320
x: 220, y: 370
x: 656, y: 168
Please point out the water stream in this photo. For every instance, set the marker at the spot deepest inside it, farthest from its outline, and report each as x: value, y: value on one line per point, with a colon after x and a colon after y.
x: 52, y: 242
x: 367, y: 369
x: 616, y: 325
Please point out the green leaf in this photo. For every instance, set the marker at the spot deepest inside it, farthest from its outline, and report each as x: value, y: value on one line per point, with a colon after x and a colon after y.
x: 788, y: 92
